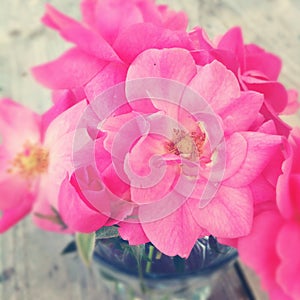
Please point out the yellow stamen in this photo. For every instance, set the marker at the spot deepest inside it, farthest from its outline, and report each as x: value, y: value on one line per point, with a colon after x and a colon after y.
x: 188, y: 145
x: 31, y: 161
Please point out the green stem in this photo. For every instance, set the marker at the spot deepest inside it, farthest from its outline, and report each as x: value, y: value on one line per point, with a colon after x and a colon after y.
x: 150, y: 257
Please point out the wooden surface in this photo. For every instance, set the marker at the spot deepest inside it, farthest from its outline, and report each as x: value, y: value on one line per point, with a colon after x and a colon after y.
x: 31, y: 267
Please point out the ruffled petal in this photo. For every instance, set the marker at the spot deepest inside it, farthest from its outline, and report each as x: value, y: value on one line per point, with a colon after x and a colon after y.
x: 242, y: 112
x: 78, y: 216
x: 140, y: 37
x: 87, y: 40
x: 133, y: 233
x: 260, y: 149
x: 167, y: 234
x: 217, y: 85
x: 71, y: 70
x: 10, y: 217
x: 288, y: 245
x: 228, y: 215
x: 232, y: 41
x: 258, y: 59
x: 17, y: 125
x: 110, y: 75
x: 109, y: 18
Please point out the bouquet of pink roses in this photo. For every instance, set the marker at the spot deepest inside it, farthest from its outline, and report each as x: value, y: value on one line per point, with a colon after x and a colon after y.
x: 158, y: 135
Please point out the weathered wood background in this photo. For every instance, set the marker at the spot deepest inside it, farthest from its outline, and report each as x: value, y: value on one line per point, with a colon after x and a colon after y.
x: 31, y: 267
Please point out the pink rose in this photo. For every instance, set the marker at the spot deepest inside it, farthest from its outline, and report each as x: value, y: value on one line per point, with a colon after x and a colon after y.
x: 271, y: 248
x: 35, y: 158
x: 176, y: 153
x: 255, y: 69
x: 288, y: 241
x: 111, y: 34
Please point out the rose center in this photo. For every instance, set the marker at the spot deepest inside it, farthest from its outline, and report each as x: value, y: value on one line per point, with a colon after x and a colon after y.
x: 187, y: 145
x: 31, y: 161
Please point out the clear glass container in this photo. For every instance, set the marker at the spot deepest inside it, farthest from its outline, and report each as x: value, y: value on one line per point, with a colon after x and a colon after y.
x: 157, y: 276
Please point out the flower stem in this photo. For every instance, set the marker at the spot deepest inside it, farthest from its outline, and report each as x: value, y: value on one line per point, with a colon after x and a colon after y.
x: 150, y: 257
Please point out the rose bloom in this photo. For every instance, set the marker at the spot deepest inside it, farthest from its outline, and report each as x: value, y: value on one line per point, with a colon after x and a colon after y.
x: 111, y: 34
x: 35, y: 158
x: 273, y: 252
x: 255, y: 68
x: 183, y: 153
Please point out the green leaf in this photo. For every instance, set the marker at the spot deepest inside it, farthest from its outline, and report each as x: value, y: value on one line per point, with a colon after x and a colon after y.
x: 107, y: 233
x: 85, y: 243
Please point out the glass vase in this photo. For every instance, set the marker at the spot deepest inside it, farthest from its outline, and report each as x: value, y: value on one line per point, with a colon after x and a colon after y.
x: 134, y: 273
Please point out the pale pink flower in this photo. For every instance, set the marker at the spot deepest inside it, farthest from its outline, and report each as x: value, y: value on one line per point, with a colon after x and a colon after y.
x: 35, y: 158
x: 255, y: 68
x: 128, y: 150
x: 111, y: 34
x: 20, y: 159
x: 271, y: 248
x: 288, y: 241
x: 258, y: 251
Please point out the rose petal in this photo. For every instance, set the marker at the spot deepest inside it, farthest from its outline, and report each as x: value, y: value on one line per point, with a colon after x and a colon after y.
x: 57, y: 74
x: 228, y: 215
x: 18, y: 121
x: 168, y: 233
x: 133, y: 233
x: 110, y: 75
x: 13, y: 215
x: 76, y: 214
x: 139, y: 37
x: 217, y: 85
x: 260, y: 150
x: 87, y: 40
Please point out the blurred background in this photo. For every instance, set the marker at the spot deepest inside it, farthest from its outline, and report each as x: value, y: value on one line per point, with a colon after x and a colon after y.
x: 31, y: 267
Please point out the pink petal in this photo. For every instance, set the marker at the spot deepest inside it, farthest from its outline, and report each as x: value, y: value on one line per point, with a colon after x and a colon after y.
x: 275, y: 93
x: 139, y: 37
x: 258, y: 251
x: 260, y: 150
x: 228, y: 215
x: 56, y: 74
x: 55, y: 19
x: 283, y: 186
x: 257, y: 58
x: 65, y: 123
x: 110, y: 75
x: 13, y: 215
x: 293, y: 103
x: 63, y: 101
x: 262, y: 190
x: 232, y: 41
x: 200, y: 39
x: 109, y: 18
x: 13, y: 190
x: 176, y: 64
x: 59, y: 139
x: 87, y: 40
x: 44, y: 216
x: 173, y: 20
x: 168, y: 233
x: 75, y: 213
x: 288, y: 244
x: 217, y: 85
x: 133, y: 233
x: 242, y: 112
x: 282, y: 127
x: 18, y: 121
